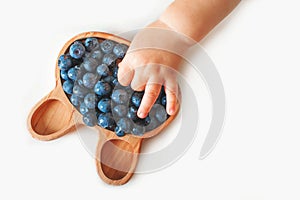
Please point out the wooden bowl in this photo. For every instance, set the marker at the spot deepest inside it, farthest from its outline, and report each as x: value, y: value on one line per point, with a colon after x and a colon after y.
x: 54, y: 116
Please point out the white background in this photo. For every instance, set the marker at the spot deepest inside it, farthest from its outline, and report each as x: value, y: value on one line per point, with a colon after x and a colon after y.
x: 256, y: 51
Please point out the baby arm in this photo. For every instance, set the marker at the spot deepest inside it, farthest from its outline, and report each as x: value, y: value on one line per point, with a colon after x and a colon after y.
x: 187, y: 21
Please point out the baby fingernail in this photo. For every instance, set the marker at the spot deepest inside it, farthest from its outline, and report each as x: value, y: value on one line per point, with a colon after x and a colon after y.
x: 141, y: 114
x: 171, y: 111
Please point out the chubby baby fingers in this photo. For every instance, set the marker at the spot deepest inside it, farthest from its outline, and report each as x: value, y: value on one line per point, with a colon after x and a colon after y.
x: 171, y: 90
x: 125, y: 73
x: 152, y: 91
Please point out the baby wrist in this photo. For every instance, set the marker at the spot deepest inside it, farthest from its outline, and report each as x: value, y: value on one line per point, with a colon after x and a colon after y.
x: 158, y: 35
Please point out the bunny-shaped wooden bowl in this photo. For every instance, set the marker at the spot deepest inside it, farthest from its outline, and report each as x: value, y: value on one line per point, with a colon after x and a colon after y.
x: 54, y: 116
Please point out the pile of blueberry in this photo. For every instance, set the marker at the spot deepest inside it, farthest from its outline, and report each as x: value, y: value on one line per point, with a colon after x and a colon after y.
x: 89, y: 72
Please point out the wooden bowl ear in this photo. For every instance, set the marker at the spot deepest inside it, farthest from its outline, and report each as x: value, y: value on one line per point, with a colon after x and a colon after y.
x: 116, y: 158
x: 51, y: 117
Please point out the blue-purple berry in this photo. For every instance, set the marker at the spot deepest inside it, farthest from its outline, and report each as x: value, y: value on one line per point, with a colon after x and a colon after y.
x: 152, y: 124
x: 90, y: 100
x: 77, y: 50
x: 119, y: 131
x: 132, y: 113
x: 64, y: 62
x: 75, y: 100
x: 107, y: 46
x: 104, y: 105
x: 91, y: 43
x: 120, y: 111
x: 109, y: 79
x: 125, y: 124
x: 89, y: 80
x: 90, y: 119
x: 90, y: 64
x: 115, y: 71
x: 96, y: 54
x: 109, y: 59
x: 105, y: 120
x: 83, y: 109
x: 138, y: 130
x: 103, y: 70
x: 159, y: 112
x: 120, y: 50
x: 164, y: 100
x: 136, y: 98
x: 79, y: 90
x: 72, y: 73
x: 120, y: 96
x: 102, y: 88
x: 115, y: 81
x: 64, y: 74
x: 68, y: 86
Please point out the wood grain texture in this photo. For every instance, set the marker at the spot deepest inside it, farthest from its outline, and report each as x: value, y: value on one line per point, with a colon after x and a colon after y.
x: 117, y: 157
x: 53, y: 116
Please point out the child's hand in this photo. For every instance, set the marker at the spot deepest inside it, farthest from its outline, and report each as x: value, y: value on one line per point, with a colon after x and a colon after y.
x: 181, y: 25
x: 149, y: 69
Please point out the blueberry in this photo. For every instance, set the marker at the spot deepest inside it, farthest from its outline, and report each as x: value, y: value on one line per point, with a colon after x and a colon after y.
x: 129, y: 90
x: 115, y: 81
x: 152, y: 124
x: 136, y: 98
x: 83, y: 109
x: 77, y: 67
x: 68, y: 86
x: 120, y: 50
x: 64, y: 74
x: 161, y: 95
x: 64, y: 62
x: 125, y: 124
x: 107, y: 46
x: 90, y: 119
x: 96, y: 54
x: 76, y: 62
x: 104, y: 105
x: 91, y: 43
x: 120, y: 110
x: 90, y: 64
x: 109, y: 59
x: 77, y: 50
x: 109, y: 79
x: 143, y: 122
x: 163, y: 100
x: 119, y: 96
x: 72, y: 73
x: 103, y: 70
x: 79, y: 91
x: 138, y: 130
x: 119, y: 132
x: 105, y: 120
x: 147, y: 120
x: 80, y: 72
x: 159, y: 113
x: 132, y: 113
x: 75, y: 100
x: 79, y: 82
x: 89, y: 80
x: 115, y: 71
x: 90, y: 100
x: 102, y: 88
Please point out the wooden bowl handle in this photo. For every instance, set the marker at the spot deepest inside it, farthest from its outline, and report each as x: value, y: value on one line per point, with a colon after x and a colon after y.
x: 117, y: 157
x: 52, y: 117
